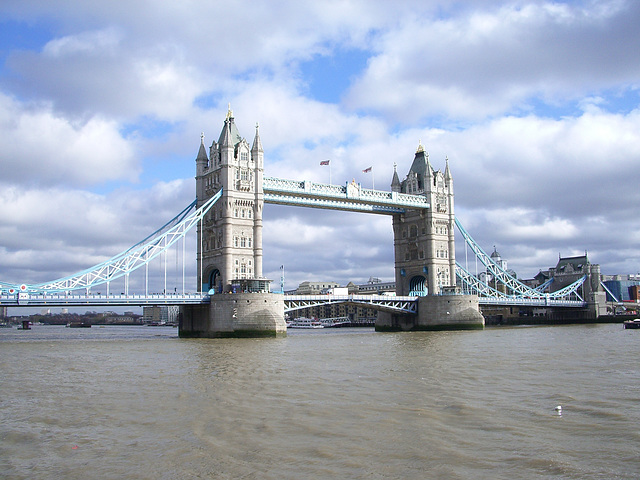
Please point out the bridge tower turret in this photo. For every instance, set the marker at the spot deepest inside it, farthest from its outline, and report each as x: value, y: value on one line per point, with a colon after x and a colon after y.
x: 230, y: 239
x: 424, y: 239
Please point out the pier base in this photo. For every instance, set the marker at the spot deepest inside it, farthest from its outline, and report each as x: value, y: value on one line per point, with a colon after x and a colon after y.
x: 436, y: 312
x: 235, y: 315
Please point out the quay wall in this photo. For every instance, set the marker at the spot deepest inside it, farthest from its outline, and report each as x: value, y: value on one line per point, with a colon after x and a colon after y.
x: 234, y: 315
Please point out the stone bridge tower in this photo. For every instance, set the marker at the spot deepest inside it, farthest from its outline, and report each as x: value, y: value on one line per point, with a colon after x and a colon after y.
x: 230, y: 241
x: 424, y: 239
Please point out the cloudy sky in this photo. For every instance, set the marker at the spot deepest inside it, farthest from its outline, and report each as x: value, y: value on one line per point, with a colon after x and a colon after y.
x: 535, y: 103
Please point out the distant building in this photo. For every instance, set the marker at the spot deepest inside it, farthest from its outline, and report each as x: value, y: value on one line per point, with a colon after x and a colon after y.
x: 487, y: 276
x: 623, y: 287
x: 160, y: 314
x: 568, y: 270
x: 315, y: 288
x: 356, y: 314
x: 375, y: 287
x: 497, y: 259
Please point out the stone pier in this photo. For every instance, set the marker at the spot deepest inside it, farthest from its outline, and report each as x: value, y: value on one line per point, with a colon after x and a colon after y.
x: 235, y: 315
x: 436, y: 312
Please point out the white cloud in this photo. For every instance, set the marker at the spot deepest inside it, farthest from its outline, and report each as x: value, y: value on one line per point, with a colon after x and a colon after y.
x: 487, y: 62
x: 44, y: 148
x: 48, y: 233
x: 84, y: 43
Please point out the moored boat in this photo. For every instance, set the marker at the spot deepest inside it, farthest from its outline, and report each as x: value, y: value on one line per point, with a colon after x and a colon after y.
x: 335, y: 322
x: 78, y: 325
x: 302, y: 322
x: 635, y: 323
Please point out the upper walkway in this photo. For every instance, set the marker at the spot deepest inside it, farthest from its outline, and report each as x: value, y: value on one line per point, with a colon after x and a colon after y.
x: 351, y: 197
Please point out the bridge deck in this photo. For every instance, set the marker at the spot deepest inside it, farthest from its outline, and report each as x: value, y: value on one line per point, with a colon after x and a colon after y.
x: 378, y: 302
x: 96, y: 299
x: 292, y: 302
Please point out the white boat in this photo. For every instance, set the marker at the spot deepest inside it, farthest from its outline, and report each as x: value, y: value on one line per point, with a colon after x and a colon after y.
x: 335, y: 322
x: 635, y: 323
x: 302, y: 322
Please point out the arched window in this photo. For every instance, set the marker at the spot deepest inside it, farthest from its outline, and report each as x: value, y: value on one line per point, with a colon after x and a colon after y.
x: 418, y: 286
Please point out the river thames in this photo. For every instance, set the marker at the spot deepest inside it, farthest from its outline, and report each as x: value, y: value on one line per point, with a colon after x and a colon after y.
x: 138, y: 402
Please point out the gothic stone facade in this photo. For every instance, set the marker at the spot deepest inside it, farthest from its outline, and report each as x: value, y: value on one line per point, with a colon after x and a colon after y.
x: 230, y: 239
x: 424, y: 239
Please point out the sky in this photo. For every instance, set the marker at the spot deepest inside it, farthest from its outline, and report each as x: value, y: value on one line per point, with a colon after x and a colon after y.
x: 536, y: 104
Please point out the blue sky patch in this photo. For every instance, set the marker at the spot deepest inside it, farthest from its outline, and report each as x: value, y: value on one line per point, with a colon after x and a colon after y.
x: 327, y: 77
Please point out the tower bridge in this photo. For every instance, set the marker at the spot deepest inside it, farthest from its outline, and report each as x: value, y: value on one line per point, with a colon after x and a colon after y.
x: 233, y: 297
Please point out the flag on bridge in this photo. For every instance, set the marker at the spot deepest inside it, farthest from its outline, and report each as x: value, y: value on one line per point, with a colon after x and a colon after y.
x: 367, y: 170
x: 325, y: 162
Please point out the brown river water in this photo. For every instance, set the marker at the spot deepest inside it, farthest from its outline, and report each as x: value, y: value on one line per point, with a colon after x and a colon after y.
x: 140, y: 403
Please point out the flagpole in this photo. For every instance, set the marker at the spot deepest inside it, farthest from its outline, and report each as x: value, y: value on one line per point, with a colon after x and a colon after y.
x: 373, y: 180
x: 327, y: 162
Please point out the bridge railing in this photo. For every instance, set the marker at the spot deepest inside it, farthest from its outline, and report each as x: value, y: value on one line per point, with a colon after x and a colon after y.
x: 294, y: 192
x: 530, y: 302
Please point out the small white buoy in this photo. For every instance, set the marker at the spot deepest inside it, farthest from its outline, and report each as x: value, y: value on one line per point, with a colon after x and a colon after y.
x: 559, y: 409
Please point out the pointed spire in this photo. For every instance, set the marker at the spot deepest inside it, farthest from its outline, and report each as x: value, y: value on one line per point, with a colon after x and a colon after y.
x: 429, y: 167
x: 257, y: 144
x: 420, y: 148
x: 395, y: 181
x: 229, y: 137
x: 447, y: 172
x: 202, y: 152
x: 225, y: 135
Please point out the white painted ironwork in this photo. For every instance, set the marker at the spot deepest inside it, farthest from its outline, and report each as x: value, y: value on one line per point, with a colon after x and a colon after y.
x: 131, y: 259
x: 351, y: 197
x: 514, y: 287
x: 378, y: 302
